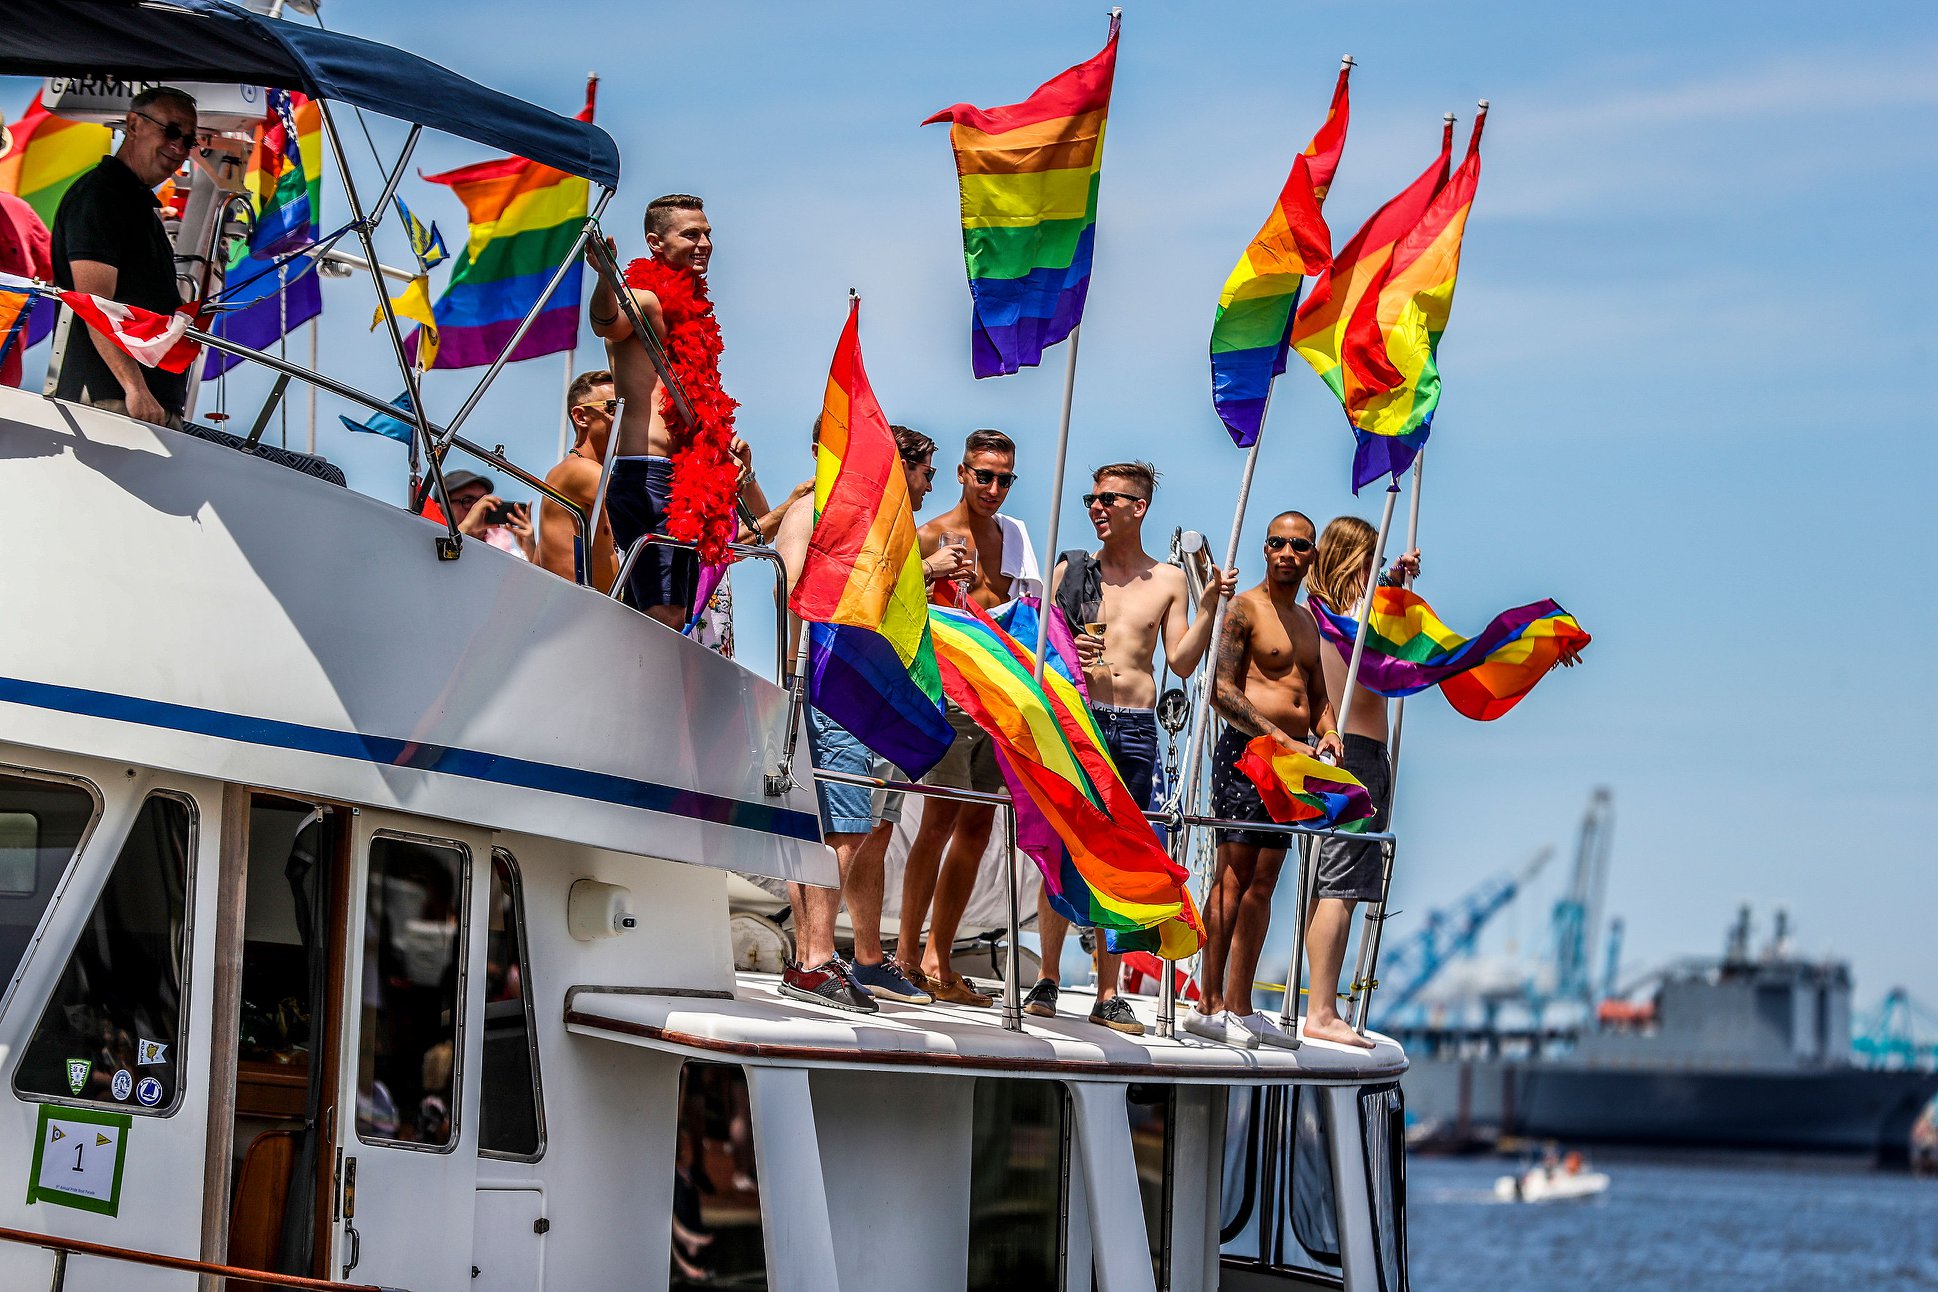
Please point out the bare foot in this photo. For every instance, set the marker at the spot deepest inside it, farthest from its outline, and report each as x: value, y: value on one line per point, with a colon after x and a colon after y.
x: 1333, y: 1029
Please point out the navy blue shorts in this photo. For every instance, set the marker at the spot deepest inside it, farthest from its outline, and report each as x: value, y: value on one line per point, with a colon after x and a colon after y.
x: 1130, y: 736
x: 636, y: 505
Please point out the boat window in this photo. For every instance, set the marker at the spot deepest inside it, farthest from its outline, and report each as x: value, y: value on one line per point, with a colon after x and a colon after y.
x: 41, y: 824
x: 111, y: 1032
x: 510, y: 1109
x: 717, y: 1240
x: 1278, y: 1211
x: 1153, y: 1111
x: 1382, y: 1123
x: 1019, y: 1184
x: 413, y: 958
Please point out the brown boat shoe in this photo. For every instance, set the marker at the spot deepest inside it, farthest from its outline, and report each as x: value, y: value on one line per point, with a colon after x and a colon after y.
x: 954, y: 989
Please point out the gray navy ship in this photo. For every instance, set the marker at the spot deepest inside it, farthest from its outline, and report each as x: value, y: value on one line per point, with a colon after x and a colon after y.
x: 1746, y: 1051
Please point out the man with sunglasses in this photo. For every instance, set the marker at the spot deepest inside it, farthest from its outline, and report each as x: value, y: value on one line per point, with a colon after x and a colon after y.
x: 109, y: 242
x: 590, y: 403
x: 1131, y: 599
x: 1268, y: 681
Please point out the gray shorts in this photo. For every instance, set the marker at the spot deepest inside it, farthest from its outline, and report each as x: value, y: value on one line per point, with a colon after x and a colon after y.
x: 1351, y: 869
x: 970, y: 763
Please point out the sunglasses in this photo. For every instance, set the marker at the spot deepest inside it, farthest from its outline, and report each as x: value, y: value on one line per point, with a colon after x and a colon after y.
x: 1109, y: 498
x: 1001, y: 479
x: 1299, y: 545
x: 606, y: 406
x: 928, y: 474
x: 173, y: 133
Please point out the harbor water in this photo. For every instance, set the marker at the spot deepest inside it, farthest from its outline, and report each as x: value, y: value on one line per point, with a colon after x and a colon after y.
x: 1673, y: 1224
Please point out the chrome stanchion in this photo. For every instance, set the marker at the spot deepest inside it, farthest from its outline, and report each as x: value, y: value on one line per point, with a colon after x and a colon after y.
x: 1167, y: 993
x: 1369, y: 940
x: 1012, y: 964
x: 1289, y: 1012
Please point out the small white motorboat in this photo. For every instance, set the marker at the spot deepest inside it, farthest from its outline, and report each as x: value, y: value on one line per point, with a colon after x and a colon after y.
x: 1564, y: 1180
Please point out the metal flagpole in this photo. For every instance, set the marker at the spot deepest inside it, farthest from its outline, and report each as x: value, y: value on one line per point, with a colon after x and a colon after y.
x: 1288, y: 1013
x: 1056, y: 501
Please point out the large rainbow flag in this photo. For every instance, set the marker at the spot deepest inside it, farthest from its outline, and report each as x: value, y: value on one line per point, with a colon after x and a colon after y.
x: 1253, y: 327
x: 285, y: 178
x: 1409, y: 648
x: 1298, y: 789
x: 871, y: 663
x: 1393, y: 382
x: 1319, y: 328
x: 49, y: 153
x: 1110, y: 872
x: 1029, y: 175
x: 524, y: 219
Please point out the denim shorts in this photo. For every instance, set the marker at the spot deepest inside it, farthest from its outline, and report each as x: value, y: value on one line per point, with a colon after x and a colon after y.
x: 848, y: 809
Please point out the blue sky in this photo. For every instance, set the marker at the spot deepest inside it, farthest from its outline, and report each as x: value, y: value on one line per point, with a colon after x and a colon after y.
x: 1682, y: 375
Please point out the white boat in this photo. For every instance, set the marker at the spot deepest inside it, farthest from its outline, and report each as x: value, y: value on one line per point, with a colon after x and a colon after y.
x: 1565, y: 1181
x: 364, y: 912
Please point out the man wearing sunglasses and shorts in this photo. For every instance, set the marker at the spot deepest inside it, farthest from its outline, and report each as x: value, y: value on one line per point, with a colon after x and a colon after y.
x: 109, y: 242
x: 1267, y: 681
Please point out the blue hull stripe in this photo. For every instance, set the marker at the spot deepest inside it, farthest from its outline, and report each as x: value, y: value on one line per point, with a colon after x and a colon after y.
x: 495, y: 768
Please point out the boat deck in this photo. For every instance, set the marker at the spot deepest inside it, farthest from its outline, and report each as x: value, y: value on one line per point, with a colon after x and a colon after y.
x: 758, y: 1025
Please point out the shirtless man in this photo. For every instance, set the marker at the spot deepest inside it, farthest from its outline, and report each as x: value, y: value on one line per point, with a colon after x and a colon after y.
x: 589, y: 403
x: 987, y: 471
x: 663, y: 580
x: 1268, y: 682
x: 1134, y: 597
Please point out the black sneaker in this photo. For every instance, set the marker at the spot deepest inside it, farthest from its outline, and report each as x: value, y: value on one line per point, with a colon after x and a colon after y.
x: 1115, y: 1014
x: 826, y: 985
x: 1041, y: 1002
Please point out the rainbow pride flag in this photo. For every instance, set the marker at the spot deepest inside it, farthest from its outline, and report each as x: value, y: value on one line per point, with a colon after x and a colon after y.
x: 1394, y: 333
x: 1298, y: 789
x: 1253, y: 327
x: 1029, y: 174
x: 1109, y: 872
x: 871, y: 662
x: 524, y: 219
x: 1409, y: 648
x: 1319, y: 328
x: 266, y: 301
x: 49, y: 153
x: 15, y: 307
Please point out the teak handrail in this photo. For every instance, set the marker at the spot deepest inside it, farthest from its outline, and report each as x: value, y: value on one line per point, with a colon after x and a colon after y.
x: 77, y: 1247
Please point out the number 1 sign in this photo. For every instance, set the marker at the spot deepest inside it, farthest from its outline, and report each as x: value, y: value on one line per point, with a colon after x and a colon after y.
x: 78, y: 1158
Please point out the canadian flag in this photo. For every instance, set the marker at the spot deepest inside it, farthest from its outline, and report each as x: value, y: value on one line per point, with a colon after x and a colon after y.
x: 151, y: 339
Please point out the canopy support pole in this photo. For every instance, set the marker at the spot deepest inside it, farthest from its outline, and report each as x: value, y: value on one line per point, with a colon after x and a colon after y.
x: 1056, y: 503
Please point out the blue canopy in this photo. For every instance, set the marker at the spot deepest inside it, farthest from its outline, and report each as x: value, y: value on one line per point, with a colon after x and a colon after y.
x: 214, y: 40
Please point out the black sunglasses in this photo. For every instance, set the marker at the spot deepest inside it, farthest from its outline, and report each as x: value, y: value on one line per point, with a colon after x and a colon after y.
x: 1299, y: 545
x: 1109, y: 498
x: 173, y: 133
x: 928, y: 473
x: 1001, y: 479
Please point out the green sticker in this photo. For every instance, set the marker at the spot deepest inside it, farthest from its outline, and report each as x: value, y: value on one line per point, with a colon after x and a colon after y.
x: 77, y: 1073
x: 78, y: 1157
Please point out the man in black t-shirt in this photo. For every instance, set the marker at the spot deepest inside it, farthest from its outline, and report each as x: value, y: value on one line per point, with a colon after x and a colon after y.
x: 109, y: 242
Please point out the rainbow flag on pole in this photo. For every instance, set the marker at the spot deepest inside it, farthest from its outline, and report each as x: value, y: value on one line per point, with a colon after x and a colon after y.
x: 1029, y: 174
x: 1393, y: 336
x: 871, y: 663
x: 1109, y: 872
x: 1253, y: 326
x: 267, y: 301
x: 524, y: 219
x: 49, y: 154
x: 1409, y: 649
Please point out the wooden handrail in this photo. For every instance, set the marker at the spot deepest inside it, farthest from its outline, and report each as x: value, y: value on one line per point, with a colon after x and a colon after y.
x: 77, y: 1247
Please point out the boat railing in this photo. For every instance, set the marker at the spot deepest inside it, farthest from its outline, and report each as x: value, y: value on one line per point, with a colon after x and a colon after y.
x: 740, y: 551
x: 66, y: 1247
x: 1178, y: 824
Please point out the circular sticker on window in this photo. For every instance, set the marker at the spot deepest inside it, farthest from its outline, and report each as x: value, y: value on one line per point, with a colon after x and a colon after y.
x: 149, y: 1092
x: 124, y: 1082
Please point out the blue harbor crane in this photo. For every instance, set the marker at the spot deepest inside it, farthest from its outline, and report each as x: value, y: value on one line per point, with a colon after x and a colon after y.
x: 1903, y: 1034
x: 1449, y: 933
x: 1577, y: 915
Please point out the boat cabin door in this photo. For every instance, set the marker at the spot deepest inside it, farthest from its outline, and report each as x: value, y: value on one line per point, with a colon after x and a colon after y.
x: 412, y: 1045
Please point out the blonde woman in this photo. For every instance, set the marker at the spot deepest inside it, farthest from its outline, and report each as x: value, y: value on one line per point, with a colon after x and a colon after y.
x: 1348, y: 869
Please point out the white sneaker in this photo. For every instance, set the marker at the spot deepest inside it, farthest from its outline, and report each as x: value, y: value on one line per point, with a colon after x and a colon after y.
x: 1222, y: 1027
x: 1268, y: 1030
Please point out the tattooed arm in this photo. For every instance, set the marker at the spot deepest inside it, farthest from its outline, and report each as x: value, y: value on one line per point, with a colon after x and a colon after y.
x: 1228, y: 686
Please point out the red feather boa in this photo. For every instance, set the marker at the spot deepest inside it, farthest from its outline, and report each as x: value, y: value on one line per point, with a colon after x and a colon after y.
x: 706, y: 475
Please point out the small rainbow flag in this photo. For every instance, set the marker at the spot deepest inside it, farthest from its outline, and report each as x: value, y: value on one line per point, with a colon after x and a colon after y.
x: 1319, y: 328
x: 1393, y: 336
x: 1110, y: 872
x: 1029, y: 175
x: 871, y: 663
x: 1298, y: 789
x: 1409, y: 649
x: 524, y: 219
x: 15, y: 306
x: 1253, y: 326
x: 267, y: 301
x: 49, y: 154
